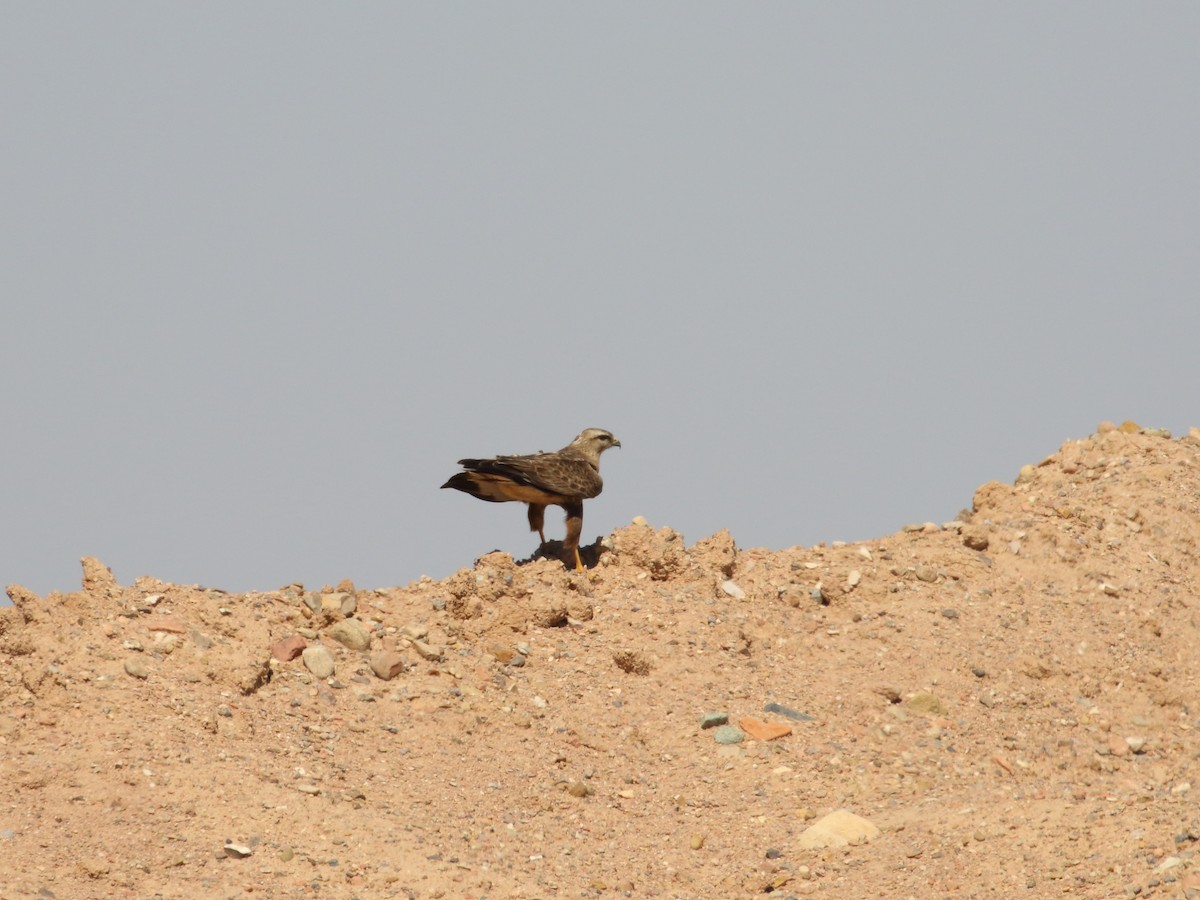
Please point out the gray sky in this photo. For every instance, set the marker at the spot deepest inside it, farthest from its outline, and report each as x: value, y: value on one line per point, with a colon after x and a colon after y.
x: 269, y: 269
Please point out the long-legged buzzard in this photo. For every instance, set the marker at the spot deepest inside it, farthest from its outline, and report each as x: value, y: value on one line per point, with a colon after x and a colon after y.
x: 565, y: 478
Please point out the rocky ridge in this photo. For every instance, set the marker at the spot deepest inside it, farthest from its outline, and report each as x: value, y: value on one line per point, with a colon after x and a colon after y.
x: 1000, y: 705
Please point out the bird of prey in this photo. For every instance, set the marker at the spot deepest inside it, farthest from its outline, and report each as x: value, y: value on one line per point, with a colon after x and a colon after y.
x: 564, y: 478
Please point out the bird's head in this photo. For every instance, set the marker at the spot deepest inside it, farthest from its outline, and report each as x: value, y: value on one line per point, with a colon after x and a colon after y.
x: 594, y: 441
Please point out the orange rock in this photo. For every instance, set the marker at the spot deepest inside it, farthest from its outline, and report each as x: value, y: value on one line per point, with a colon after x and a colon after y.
x: 763, y: 731
x: 166, y: 623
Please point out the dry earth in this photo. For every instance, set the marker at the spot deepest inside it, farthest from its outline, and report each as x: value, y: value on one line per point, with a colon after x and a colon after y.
x: 1010, y: 699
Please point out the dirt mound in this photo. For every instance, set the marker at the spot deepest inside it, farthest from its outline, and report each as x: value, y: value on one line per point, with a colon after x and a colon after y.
x: 1001, y: 705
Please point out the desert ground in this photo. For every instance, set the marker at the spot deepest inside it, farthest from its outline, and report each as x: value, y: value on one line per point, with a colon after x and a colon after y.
x: 1003, y: 705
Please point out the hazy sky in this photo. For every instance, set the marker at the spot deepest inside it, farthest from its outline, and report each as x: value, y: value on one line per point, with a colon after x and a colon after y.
x: 269, y: 269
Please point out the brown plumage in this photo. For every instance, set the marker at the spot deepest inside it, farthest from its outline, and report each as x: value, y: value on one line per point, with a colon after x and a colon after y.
x: 565, y: 478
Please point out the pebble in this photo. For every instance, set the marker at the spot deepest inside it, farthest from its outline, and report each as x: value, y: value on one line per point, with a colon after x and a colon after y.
x: 237, y: 851
x: 579, y: 789
x: 713, y: 719
x: 427, y: 651
x: 731, y: 588
x: 288, y: 648
x: 763, y: 731
x: 697, y: 841
x: 318, y: 661
x: 166, y: 623
x: 388, y: 664
x: 788, y: 713
x: 350, y: 633
x: 950, y: 613
x: 925, y: 702
x: 926, y: 573
x: 136, y: 668
x: 729, y: 734
x: 503, y: 653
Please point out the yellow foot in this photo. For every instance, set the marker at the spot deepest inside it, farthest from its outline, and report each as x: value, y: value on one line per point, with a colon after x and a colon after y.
x: 578, y: 562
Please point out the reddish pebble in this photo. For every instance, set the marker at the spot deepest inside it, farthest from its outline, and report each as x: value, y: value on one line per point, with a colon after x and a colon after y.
x: 288, y: 648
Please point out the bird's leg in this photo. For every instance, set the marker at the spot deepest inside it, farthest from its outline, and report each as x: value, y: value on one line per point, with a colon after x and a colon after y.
x: 574, y: 528
x: 537, y: 520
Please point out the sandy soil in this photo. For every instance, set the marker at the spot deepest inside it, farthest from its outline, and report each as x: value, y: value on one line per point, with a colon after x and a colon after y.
x: 1010, y: 702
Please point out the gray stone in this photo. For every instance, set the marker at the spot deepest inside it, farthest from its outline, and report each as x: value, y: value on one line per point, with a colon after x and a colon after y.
x: 713, y: 719
x: 788, y: 713
x: 729, y: 734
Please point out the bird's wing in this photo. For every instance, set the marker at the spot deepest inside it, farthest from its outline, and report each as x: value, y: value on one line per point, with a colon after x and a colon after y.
x: 559, y: 475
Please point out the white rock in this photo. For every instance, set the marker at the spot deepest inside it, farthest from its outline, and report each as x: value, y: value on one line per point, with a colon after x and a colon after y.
x: 731, y: 588
x: 318, y: 661
x: 838, y: 829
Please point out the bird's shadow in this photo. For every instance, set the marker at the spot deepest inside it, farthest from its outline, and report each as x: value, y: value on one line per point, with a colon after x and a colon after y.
x: 589, y: 554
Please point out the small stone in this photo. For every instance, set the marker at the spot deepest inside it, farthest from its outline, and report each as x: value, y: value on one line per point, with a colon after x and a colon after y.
x: 318, y: 660
x: 788, y: 713
x: 853, y: 579
x: 731, y: 588
x: 1136, y: 743
x: 697, y: 841
x: 135, y: 667
x: 388, y: 664
x: 975, y: 538
x: 926, y: 573
x: 838, y: 829
x: 713, y: 719
x: 763, y: 731
x: 237, y: 851
x: 950, y: 613
x: 502, y: 653
x: 166, y: 623
x: 579, y: 789
x: 978, y: 672
x: 350, y: 633
x: 288, y: 648
x: 286, y: 854
x: 925, y: 702
x: 427, y: 651
x: 729, y: 734
x: 1110, y: 590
